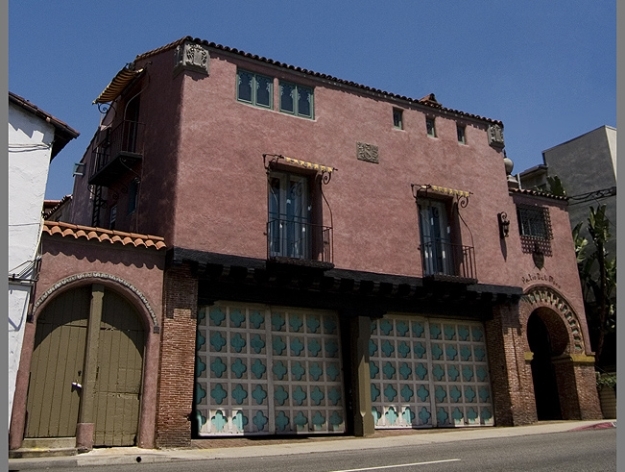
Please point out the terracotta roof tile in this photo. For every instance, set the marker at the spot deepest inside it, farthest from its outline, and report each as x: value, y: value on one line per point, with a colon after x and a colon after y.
x: 537, y: 193
x: 103, y: 235
x: 57, y: 205
x: 428, y: 101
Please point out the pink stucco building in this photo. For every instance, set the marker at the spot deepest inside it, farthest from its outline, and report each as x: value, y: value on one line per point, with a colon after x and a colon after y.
x: 338, y: 258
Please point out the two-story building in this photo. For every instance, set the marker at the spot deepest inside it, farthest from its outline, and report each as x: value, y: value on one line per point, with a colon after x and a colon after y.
x: 339, y: 258
x: 35, y: 139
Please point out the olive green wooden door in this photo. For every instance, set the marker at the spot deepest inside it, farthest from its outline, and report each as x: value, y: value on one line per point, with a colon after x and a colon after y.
x: 119, y: 373
x: 58, y: 358
x: 58, y: 361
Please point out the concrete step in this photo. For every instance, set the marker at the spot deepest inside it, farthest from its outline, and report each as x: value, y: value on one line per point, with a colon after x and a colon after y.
x: 40, y: 452
x: 49, y: 443
x: 33, y: 448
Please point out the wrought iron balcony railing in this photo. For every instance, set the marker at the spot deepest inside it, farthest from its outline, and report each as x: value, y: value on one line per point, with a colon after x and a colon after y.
x: 118, y: 149
x: 293, y: 239
x: 443, y: 260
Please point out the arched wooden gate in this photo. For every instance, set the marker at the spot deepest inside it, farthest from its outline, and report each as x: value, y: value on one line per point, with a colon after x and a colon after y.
x: 82, y: 320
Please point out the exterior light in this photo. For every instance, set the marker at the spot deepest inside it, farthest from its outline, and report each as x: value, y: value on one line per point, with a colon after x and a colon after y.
x: 504, y: 224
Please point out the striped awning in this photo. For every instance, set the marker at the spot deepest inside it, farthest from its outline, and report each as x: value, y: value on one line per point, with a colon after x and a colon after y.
x: 449, y: 191
x: 117, y: 85
x: 439, y: 190
x: 305, y: 164
x: 308, y: 165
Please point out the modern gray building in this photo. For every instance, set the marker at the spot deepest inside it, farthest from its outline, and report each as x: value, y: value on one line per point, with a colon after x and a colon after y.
x: 586, y: 165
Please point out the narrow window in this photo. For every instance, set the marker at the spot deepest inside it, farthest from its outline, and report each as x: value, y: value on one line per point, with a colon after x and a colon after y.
x: 296, y: 99
x: 254, y: 89
x: 113, y: 217
x: 429, y: 125
x: 460, y: 129
x: 133, y: 193
x: 398, y: 118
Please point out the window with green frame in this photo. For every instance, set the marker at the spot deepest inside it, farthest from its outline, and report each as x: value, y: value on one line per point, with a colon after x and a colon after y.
x: 255, y: 89
x: 296, y: 99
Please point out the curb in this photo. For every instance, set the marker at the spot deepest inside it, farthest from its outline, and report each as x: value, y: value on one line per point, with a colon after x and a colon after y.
x: 134, y: 455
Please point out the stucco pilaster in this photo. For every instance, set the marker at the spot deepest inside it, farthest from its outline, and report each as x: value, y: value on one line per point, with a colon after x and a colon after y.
x: 85, y: 428
x: 363, y: 419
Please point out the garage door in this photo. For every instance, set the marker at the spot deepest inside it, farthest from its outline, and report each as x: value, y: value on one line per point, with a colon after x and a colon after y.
x: 429, y: 373
x: 264, y: 370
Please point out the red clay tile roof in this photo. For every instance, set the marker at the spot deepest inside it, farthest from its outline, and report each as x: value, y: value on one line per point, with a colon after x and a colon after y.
x: 538, y: 193
x: 101, y: 235
x: 50, y: 206
x: 428, y: 100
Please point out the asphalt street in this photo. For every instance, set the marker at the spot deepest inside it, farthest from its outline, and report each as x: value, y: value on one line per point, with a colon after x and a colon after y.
x: 571, y: 451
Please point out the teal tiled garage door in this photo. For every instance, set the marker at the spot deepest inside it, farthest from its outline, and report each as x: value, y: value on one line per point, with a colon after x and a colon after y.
x: 262, y: 370
x: 429, y: 373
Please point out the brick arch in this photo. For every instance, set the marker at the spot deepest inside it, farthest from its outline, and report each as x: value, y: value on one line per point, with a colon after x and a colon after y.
x: 547, y: 302
x: 132, y: 293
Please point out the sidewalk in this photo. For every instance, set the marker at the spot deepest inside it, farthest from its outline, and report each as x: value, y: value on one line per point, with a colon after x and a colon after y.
x: 251, y: 448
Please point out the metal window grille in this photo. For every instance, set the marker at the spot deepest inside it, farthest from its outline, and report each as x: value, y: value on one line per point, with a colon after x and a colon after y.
x: 534, y: 222
x: 535, y: 229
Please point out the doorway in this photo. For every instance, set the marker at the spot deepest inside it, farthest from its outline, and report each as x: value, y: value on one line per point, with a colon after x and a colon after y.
x: 56, y: 385
x: 543, y: 370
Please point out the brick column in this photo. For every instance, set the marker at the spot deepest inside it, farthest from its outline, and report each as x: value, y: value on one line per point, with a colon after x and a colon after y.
x: 586, y: 381
x: 177, y: 366
x: 510, y: 373
x: 361, y: 382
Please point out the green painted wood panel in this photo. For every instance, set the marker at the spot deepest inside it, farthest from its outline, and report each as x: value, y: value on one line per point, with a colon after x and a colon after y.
x: 58, y: 357
x: 120, y: 370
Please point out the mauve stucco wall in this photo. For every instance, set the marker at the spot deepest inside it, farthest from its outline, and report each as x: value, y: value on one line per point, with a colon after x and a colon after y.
x: 221, y: 204
x: 30, y: 148
x: 204, y: 186
x: 142, y: 268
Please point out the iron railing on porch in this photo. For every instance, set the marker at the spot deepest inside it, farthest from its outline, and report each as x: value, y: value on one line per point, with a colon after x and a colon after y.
x: 443, y: 258
x: 127, y: 137
x: 295, y: 238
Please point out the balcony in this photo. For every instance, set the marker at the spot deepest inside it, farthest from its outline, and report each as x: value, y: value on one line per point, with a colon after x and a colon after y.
x: 295, y: 242
x: 118, y: 150
x: 447, y: 262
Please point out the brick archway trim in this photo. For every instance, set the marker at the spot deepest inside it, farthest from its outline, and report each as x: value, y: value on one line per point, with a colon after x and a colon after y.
x: 541, y: 296
x: 104, y: 277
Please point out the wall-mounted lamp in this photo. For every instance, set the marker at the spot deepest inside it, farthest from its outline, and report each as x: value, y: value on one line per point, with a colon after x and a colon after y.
x: 504, y: 224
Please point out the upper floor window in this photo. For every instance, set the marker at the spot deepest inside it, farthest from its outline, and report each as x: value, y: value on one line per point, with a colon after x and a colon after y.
x: 255, y: 89
x: 290, y: 214
x: 535, y: 231
x: 133, y: 193
x: 460, y: 130
x: 112, y: 217
x: 443, y: 255
x: 534, y: 222
x: 430, y: 127
x: 296, y: 99
x: 398, y: 118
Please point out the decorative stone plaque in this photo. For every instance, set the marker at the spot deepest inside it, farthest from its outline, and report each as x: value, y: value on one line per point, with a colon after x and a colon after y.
x: 495, y: 136
x: 367, y: 152
x: 191, y: 56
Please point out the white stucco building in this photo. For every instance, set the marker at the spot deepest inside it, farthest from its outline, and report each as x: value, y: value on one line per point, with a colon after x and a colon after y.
x: 35, y: 138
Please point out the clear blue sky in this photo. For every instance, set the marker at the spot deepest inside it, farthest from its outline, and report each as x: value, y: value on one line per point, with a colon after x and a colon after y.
x: 547, y: 69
